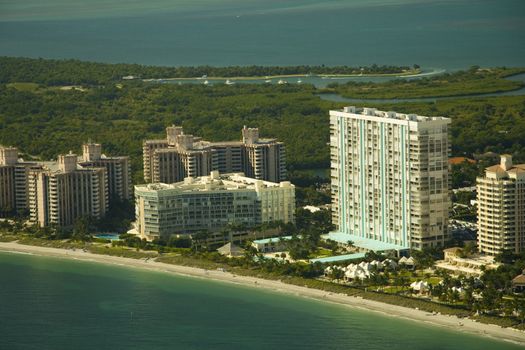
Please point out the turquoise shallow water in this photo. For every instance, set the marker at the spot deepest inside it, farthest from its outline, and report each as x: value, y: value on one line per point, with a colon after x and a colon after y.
x: 449, y: 34
x: 48, y: 303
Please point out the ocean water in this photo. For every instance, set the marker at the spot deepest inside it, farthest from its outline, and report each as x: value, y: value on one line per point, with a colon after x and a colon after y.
x: 50, y: 303
x: 436, y: 34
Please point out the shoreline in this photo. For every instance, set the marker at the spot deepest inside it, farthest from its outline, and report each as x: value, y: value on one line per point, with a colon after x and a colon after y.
x: 359, y: 99
x: 299, y: 75
x: 452, y: 323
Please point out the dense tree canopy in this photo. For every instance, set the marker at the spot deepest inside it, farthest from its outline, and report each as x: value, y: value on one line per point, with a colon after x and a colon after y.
x: 471, y: 82
x: 44, y: 121
x: 66, y: 72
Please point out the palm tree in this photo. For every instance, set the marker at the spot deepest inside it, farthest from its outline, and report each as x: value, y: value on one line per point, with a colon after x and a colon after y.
x: 201, y: 238
x: 453, y: 296
x: 468, y: 297
x: 490, y: 298
x: 250, y: 253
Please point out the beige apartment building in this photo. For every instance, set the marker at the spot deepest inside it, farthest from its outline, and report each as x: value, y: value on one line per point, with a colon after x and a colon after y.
x: 13, y: 181
x: 61, y: 192
x: 390, y: 180
x: 501, y: 208
x: 8, y: 161
x: 181, y: 156
x: 210, y: 203
x: 117, y: 168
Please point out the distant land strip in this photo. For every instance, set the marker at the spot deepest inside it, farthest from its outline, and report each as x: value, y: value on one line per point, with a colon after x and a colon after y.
x: 66, y: 72
x: 299, y: 75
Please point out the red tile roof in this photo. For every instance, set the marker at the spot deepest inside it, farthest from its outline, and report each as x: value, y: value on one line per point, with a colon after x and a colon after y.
x: 459, y: 160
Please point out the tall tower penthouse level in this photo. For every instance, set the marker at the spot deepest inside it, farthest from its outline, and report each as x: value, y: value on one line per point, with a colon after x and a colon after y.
x: 389, y: 172
x: 117, y: 168
x: 183, y: 155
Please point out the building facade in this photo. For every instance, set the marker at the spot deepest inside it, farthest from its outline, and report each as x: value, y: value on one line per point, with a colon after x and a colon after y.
x: 8, y: 161
x: 181, y: 156
x: 117, y: 168
x: 13, y: 181
x: 210, y: 203
x: 61, y: 192
x: 501, y: 208
x: 390, y: 180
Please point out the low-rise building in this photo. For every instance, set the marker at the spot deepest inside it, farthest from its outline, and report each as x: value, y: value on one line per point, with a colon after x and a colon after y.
x: 518, y: 283
x: 231, y: 250
x: 456, y: 262
x: 268, y: 245
x: 210, y: 203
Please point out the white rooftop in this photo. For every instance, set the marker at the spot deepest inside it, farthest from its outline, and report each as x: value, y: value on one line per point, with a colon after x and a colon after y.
x: 366, y: 111
x: 215, y: 181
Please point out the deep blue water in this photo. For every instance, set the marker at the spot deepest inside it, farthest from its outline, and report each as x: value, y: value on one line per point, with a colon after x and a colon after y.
x: 50, y: 303
x: 449, y: 34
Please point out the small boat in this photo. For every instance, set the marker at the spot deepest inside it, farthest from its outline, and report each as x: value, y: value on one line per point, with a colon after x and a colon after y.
x: 267, y: 81
x: 282, y: 82
x: 299, y: 81
x: 228, y: 82
x: 206, y: 82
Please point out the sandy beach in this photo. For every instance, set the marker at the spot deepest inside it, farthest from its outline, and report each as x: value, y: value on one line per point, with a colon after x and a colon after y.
x: 450, y: 322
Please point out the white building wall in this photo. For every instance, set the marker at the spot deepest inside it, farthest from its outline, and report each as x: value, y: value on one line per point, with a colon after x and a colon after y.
x: 389, y: 177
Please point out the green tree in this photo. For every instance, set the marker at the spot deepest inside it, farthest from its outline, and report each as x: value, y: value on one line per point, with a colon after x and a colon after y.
x: 200, y: 239
x: 82, y: 229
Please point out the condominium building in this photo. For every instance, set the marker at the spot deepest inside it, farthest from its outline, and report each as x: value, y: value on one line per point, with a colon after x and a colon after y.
x: 210, y: 203
x: 13, y: 181
x: 389, y: 176
x: 262, y: 158
x: 117, y: 168
x: 61, y: 192
x: 181, y: 156
x: 8, y: 160
x: 501, y: 208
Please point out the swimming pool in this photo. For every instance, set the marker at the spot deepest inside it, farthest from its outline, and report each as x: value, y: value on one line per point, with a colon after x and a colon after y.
x: 110, y: 236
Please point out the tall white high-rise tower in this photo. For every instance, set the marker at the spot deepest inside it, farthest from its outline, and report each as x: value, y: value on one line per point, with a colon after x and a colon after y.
x: 389, y: 177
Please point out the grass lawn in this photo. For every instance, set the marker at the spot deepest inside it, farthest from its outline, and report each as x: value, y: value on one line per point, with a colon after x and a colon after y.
x: 24, y: 86
x: 320, y: 253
